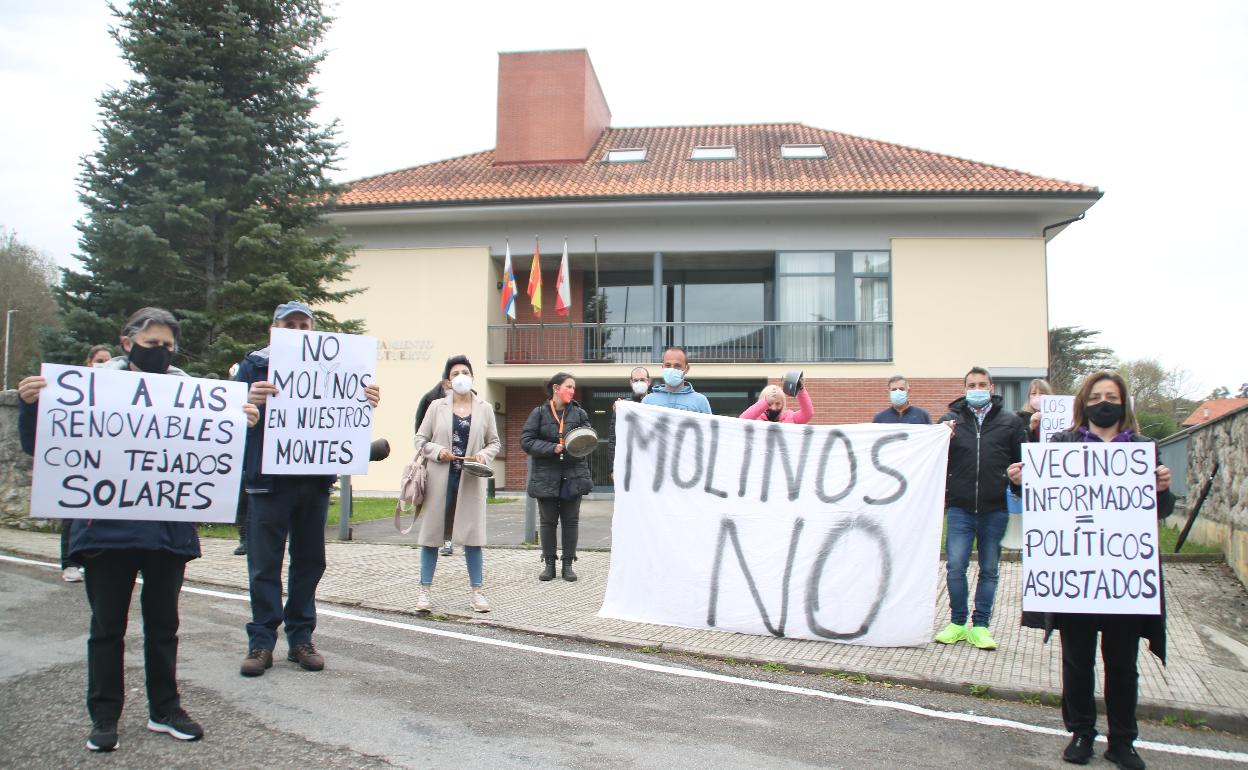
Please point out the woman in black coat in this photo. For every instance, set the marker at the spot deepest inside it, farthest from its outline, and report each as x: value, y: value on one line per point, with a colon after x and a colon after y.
x: 558, y: 480
x: 1102, y: 412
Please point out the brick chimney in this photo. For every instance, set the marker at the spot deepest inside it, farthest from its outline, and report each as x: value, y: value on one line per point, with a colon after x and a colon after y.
x: 550, y: 108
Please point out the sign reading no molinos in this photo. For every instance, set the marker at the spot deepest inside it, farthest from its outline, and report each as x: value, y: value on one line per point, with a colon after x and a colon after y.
x: 1090, y: 528
x: 114, y: 444
x: 320, y: 421
x: 805, y: 531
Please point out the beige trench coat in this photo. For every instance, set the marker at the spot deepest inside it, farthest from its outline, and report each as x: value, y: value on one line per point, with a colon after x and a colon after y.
x: 432, y: 437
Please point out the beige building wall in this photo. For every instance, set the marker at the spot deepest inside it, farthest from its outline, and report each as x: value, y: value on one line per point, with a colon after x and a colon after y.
x: 422, y: 305
x: 959, y: 302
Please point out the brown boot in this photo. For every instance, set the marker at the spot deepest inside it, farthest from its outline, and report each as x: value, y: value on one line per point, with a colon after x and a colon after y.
x: 256, y: 663
x: 306, y: 656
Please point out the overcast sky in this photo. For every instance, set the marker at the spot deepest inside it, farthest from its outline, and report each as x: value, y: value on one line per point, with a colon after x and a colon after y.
x: 1145, y: 100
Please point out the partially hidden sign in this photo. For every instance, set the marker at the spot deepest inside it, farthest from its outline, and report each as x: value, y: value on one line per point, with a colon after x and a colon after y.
x: 113, y: 444
x: 1090, y: 528
x: 1055, y: 415
x: 804, y: 531
x: 320, y: 422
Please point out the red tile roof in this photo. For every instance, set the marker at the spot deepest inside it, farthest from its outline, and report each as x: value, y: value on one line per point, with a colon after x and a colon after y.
x: 1216, y: 408
x: 854, y: 167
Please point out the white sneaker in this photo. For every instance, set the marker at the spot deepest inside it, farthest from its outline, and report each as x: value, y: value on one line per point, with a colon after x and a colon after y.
x: 424, y: 599
x: 447, y: 549
x: 479, y: 602
x: 72, y: 574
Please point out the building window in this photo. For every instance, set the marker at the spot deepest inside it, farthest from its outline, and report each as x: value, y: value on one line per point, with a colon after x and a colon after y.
x: 630, y: 155
x: 806, y: 298
x: 837, y: 305
x: 726, y: 152
x: 803, y: 151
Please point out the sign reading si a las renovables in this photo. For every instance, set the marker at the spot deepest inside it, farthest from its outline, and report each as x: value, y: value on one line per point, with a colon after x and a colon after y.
x: 320, y: 422
x: 114, y: 444
x: 1090, y: 528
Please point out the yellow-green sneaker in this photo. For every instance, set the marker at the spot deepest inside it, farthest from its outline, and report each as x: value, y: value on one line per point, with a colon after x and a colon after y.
x: 979, y: 636
x: 952, y: 634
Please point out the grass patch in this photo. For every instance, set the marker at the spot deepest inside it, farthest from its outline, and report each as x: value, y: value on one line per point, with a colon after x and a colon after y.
x: 1167, y: 537
x: 771, y: 665
x: 979, y: 690
x: 362, y: 509
x: 1031, y: 698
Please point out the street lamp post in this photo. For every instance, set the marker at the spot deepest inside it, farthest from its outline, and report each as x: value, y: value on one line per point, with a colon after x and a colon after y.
x: 8, y: 329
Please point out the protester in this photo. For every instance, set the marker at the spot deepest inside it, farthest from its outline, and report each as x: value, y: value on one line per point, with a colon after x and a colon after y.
x: 675, y: 392
x: 282, y: 507
x: 986, y: 440
x: 71, y: 571
x: 900, y: 410
x: 771, y: 406
x: 437, y: 393
x: 1102, y: 412
x: 639, y: 382
x: 115, y: 551
x: 1030, y: 413
x: 457, y: 427
x: 559, y: 480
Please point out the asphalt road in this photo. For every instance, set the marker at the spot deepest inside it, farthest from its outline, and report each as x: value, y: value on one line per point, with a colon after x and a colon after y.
x: 407, y: 692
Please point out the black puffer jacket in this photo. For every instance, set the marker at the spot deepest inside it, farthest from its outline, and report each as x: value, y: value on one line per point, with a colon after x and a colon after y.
x: 1150, y: 627
x: 979, y: 455
x: 538, y: 439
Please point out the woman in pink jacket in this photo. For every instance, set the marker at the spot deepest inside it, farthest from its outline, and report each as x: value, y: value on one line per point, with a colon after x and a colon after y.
x: 771, y: 407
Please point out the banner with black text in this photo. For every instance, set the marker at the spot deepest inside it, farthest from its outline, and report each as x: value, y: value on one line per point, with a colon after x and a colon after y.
x: 803, y: 531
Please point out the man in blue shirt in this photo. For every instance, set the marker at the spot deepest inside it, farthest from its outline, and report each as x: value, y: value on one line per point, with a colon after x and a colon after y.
x: 674, y: 392
x: 901, y: 411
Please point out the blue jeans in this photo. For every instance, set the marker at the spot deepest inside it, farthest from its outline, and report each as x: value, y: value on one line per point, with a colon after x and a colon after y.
x: 964, y: 528
x: 295, y: 509
x: 429, y: 562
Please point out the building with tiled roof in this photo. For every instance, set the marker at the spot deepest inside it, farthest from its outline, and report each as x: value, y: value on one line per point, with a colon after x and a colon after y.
x: 758, y: 248
x: 1213, y: 409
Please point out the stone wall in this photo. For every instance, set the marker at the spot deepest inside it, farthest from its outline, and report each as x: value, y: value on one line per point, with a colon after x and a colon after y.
x: 1223, y: 520
x: 15, y: 471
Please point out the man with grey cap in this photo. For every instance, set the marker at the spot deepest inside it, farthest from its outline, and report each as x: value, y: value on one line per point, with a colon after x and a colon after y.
x: 282, y: 508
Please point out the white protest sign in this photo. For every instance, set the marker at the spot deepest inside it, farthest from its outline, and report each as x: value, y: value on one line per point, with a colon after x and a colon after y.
x: 113, y: 444
x: 804, y: 531
x: 1055, y: 412
x: 320, y: 422
x: 1090, y: 528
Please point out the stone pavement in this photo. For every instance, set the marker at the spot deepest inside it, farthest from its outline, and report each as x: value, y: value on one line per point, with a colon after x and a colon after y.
x: 1207, y: 677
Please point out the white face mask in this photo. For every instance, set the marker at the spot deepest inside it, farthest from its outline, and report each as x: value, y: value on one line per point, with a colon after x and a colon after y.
x: 461, y: 383
x: 641, y: 388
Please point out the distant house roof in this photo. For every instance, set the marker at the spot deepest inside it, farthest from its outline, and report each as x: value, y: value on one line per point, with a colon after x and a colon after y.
x: 854, y: 167
x: 1213, y: 409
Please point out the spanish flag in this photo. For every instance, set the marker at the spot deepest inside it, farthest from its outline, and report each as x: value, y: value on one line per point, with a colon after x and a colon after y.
x: 535, y: 281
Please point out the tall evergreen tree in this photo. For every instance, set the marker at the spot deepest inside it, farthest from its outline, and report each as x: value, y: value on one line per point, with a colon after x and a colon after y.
x: 207, y: 193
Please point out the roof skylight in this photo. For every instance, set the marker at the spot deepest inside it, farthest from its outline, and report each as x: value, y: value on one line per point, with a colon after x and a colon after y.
x: 626, y: 155
x: 803, y: 151
x: 725, y: 152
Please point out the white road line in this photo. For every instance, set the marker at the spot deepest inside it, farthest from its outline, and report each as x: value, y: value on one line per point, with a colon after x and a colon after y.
x: 953, y: 716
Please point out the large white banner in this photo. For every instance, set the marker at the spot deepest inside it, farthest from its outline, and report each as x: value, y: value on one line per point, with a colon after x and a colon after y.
x: 114, y: 444
x: 1055, y: 415
x: 805, y: 531
x: 320, y: 421
x: 1090, y: 528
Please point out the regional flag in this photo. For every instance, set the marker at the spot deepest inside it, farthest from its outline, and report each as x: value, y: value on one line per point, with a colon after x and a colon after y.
x: 563, y: 284
x: 509, y: 286
x: 535, y: 281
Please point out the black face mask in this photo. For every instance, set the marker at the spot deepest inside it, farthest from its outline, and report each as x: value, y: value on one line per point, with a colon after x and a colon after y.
x: 1105, y: 414
x: 774, y: 414
x: 153, y: 360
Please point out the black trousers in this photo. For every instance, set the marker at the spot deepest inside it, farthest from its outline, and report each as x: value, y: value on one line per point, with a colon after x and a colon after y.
x: 557, y: 511
x: 1119, y: 649
x: 110, y: 579
x: 66, y: 559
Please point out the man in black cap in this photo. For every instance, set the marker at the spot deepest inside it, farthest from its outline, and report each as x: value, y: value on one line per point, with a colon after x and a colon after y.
x: 282, y: 507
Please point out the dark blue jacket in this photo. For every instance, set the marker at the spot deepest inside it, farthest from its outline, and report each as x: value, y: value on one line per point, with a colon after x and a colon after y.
x: 912, y: 416
x: 255, y: 368
x: 177, y: 537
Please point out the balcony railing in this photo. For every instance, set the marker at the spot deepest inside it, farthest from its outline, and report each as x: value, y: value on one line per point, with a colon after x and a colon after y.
x: 707, y: 342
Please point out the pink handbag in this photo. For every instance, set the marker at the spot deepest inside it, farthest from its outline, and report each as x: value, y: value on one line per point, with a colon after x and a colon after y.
x: 411, y: 492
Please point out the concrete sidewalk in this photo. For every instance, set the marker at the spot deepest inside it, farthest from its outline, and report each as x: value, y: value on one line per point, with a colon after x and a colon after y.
x: 1207, y: 677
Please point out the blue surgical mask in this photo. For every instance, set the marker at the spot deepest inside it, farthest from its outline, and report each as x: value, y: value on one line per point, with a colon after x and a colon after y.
x: 898, y: 397
x: 977, y: 398
x: 673, y: 377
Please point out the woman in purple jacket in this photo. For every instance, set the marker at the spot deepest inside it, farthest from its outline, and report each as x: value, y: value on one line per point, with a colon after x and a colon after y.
x: 1102, y: 412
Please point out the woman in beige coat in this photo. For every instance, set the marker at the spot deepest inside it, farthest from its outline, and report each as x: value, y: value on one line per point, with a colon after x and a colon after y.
x: 458, y: 426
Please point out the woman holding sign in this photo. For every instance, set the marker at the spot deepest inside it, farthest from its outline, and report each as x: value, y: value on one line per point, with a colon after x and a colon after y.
x: 456, y: 430
x: 116, y: 551
x: 559, y: 480
x: 1102, y: 412
x: 1030, y: 413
